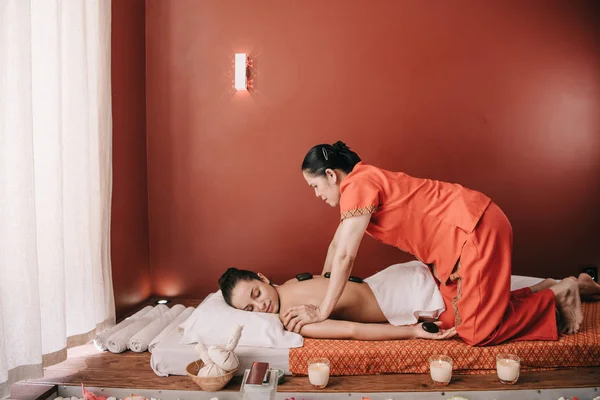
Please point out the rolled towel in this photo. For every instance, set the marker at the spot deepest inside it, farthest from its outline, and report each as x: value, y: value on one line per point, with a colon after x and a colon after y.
x: 180, y: 319
x: 140, y: 341
x: 117, y: 342
x: 101, y: 338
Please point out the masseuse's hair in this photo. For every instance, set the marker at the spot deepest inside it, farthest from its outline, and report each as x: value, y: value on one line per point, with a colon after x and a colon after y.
x: 229, y: 280
x: 324, y: 156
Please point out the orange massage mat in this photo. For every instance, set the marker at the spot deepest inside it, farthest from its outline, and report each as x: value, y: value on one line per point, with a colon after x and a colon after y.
x: 356, y: 357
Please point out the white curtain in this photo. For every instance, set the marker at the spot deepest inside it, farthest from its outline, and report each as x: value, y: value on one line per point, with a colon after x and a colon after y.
x: 55, y: 181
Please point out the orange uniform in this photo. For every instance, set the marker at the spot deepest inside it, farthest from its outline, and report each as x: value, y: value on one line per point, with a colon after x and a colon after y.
x: 467, y: 241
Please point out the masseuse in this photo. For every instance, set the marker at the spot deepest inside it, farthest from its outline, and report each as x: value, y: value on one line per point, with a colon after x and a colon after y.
x: 461, y: 234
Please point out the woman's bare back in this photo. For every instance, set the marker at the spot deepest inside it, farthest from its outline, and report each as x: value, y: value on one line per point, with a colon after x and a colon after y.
x: 357, y: 303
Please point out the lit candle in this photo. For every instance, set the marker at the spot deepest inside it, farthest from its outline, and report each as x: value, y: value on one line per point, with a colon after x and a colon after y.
x: 440, y: 368
x: 318, y: 372
x: 508, y: 367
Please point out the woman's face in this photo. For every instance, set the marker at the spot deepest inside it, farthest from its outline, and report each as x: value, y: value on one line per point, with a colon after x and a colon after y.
x: 255, y: 295
x: 326, y: 187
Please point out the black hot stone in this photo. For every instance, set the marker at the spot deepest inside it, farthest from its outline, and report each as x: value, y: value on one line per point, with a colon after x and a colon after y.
x: 430, y: 327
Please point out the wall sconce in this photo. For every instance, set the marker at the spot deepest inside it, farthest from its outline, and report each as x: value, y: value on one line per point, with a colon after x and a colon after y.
x: 241, y: 70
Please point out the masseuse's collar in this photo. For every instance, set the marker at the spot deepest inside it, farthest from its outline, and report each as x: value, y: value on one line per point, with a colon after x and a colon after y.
x: 358, y: 164
x: 345, y: 181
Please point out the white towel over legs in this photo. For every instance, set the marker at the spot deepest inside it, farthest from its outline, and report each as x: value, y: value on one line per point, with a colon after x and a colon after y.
x: 140, y: 341
x: 406, y: 292
x: 101, y: 338
x: 117, y: 342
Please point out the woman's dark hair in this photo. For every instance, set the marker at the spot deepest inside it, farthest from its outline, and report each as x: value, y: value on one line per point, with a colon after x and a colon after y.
x: 324, y: 156
x: 229, y: 280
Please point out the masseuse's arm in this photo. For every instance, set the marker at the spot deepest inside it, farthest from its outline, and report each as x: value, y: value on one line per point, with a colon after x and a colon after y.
x: 331, y: 250
x: 350, y: 234
x: 333, y: 329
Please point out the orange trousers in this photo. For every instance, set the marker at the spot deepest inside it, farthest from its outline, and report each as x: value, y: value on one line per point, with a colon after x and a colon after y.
x: 477, y: 295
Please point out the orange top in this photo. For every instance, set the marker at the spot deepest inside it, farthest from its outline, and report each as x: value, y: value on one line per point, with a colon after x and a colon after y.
x: 428, y: 219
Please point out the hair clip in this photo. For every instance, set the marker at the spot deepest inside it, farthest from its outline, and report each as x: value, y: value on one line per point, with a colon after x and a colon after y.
x: 325, y: 153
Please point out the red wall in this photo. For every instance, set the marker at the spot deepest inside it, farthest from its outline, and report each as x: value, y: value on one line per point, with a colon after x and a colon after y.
x: 503, y: 97
x: 129, y: 226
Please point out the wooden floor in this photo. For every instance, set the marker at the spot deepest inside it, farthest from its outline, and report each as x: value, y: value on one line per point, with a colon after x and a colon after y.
x: 132, y: 370
x: 87, y: 365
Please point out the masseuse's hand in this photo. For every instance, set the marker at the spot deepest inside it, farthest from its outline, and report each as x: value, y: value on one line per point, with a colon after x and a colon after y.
x: 298, y: 316
x: 420, y: 333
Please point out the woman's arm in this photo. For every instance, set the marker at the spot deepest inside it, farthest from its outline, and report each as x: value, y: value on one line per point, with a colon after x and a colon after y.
x: 331, y: 251
x: 334, y: 329
x: 351, y: 231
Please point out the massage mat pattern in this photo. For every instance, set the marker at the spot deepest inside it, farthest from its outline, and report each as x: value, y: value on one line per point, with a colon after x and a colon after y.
x: 355, y: 357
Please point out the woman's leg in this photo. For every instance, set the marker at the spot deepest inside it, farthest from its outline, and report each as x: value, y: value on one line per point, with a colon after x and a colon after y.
x: 588, y: 289
x: 486, y: 311
x: 545, y: 284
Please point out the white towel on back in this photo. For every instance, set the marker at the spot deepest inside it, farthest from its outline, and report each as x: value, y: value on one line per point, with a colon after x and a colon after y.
x: 180, y: 319
x: 139, y: 342
x: 101, y: 338
x: 117, y: 342
x: 406, y: 292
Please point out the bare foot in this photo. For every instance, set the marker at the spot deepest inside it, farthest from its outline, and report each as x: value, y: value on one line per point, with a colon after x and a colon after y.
x: 588, y: 289
x: 569, y: 304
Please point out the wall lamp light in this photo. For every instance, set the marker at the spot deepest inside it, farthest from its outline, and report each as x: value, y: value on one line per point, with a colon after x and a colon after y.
x: 241, y: 71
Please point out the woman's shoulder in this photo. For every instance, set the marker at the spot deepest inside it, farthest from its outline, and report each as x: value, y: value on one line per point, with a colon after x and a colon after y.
x: 361, y: 173
x: 369, y: 176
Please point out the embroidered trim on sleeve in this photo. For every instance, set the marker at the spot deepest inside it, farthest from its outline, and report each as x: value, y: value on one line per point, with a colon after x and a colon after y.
x: 359, y: 211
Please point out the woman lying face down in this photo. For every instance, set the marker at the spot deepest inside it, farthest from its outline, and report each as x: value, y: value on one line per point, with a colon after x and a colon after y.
x: 406, y: 292
x: 386, y: 306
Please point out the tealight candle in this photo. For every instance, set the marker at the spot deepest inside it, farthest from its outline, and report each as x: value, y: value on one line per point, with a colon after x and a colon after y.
x: 508, y: 367
x: 318, y: 372
x: 440, y: 367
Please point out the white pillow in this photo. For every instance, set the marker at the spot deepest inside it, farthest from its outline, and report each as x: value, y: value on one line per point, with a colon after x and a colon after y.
x: 213, y: 322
